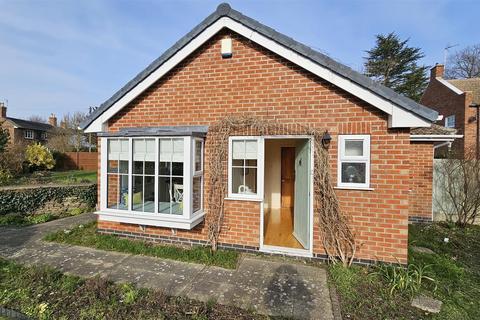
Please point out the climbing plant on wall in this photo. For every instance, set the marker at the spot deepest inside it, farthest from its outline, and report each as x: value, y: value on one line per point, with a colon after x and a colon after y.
x: 336, y: 234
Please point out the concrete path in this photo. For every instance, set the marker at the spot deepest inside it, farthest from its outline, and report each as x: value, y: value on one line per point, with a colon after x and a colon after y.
x: 275, y: 288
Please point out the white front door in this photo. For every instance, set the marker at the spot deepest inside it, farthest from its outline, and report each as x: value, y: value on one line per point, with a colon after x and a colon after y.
x: 301, y: 215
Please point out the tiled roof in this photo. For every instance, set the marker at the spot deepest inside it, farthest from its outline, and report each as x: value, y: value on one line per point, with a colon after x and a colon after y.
x: 472, y: 85
x: 32, y: 125
x: 224, y: 10
x: 435, y: 129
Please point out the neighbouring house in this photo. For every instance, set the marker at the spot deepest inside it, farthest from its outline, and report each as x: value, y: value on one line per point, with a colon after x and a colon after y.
x: 451, y: 99
x: 156, y: 146
x: 25, y: 131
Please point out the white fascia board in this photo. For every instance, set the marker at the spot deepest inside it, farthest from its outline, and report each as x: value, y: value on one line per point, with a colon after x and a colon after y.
x: 449, y: 85
x: 433, y: 137
x: 407, y: 119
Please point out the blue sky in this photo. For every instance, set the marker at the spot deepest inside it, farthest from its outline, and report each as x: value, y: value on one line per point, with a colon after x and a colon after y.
x: 63, y: 56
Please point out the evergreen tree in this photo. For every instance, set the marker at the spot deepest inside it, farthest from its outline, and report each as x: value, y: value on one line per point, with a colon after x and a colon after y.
x: 4, y: 138
x: 395, y: 64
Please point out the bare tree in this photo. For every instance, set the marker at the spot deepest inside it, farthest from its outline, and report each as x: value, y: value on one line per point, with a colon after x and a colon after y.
x: 37, y: 118
x: 464, y: 63
x: 69, y: 137
x: 458, y: 194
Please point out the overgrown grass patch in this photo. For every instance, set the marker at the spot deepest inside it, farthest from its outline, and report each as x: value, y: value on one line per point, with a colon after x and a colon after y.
x: 365, y: 292
x: 86, y: 235
x: 55, y: 177
x: 43, y: 293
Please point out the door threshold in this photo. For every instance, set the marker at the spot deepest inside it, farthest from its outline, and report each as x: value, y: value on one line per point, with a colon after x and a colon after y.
x: 286, y: 251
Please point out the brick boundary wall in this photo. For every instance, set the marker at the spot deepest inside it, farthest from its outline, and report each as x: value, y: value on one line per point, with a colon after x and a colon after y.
x: 194, y: 242
x: 421, y: 182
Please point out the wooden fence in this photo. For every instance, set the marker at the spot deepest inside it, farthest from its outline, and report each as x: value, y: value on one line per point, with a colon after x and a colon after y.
x: 87, y: 161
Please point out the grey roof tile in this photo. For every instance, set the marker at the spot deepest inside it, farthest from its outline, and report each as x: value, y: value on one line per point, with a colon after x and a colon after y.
x: 224, y: 9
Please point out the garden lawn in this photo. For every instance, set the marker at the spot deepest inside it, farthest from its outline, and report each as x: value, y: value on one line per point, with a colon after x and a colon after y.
x: 56, y: 177
x: 87, y: 236
x: 454, y: 267
x: 43, y: 293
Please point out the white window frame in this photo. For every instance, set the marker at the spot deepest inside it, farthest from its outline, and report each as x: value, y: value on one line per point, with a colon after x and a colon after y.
x: 186, y: 220
x: 260, y: 167
x: 365, y: 158
x: 29, y: 134
x: 447, y: 119
x: 198, y: 173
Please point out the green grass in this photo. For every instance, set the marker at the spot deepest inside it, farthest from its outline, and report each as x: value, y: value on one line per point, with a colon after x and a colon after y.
x: 15, y: 219
x: 87, y: 236
x: 56, y: 177
x: 455, y: 268
x: 43, y: 293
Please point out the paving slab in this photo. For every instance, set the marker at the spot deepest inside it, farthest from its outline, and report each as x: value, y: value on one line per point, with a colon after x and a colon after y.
x: 277, y: 288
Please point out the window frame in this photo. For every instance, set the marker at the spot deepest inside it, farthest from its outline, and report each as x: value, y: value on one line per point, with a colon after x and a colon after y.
x: 198, y: 173
x: 449, y: 118
x: 27, y: 136
x: 188, y: 174
x: 258, y: 196
x: 365, y: 158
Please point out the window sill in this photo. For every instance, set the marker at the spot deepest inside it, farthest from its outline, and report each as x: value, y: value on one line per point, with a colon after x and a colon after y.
x: 151, y: 219
x: 243, y: 199
x: 353, y: 188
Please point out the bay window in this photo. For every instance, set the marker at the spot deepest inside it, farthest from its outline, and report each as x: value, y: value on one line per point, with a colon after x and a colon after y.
x: 153, y: 178
x: 354, y: 161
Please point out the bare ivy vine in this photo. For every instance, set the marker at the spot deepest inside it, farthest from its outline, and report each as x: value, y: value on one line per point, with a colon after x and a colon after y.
x: 336, y: 234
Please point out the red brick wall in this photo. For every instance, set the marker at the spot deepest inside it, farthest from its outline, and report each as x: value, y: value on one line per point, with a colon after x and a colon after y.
x: 205, y: 88
x: 421, y: 179
x: 440, y: 98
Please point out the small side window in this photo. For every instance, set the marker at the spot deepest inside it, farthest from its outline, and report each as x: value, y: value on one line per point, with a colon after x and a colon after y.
x: 450, y: 121
x: 28, y: 134
x: 243, y: 175
x: 354, y: 161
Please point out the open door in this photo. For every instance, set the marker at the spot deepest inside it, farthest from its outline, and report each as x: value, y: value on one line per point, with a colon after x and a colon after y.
x: 301, y: 216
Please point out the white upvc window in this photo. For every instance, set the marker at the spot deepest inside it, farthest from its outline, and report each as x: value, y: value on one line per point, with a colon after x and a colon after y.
x: 29, y: 134
x: 450, y: 121
x: 147, y: 180
x: 354, y: 161
x: 245, y: 168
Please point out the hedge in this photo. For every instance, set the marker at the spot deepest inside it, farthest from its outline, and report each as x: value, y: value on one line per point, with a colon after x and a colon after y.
x: 28, y: 199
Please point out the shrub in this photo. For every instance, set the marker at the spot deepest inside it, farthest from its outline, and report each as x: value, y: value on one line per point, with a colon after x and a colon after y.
x: 39, y: 157
x: 29, y: 200
x: 405, y: 280
x: 5, y: 176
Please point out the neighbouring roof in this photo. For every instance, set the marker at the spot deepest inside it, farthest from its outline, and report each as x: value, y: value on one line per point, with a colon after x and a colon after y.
x: 197, y: 131
x: 435, y: 129
x: 32, y: 125
x: 224, y: 10
x: 472, y: 85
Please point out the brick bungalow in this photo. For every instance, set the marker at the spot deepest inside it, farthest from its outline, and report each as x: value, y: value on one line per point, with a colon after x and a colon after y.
x: 451, y: 99
x: 154, y: 158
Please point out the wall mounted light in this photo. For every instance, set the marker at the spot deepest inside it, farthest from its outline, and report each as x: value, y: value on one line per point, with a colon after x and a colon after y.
x: 226, y: 48
x: 326, y: 139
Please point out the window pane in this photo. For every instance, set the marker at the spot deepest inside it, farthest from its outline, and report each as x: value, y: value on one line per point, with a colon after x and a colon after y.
x: 166, y: 149
x: 149, y: 200
x: 112, y: 191
x: 123, y: 166
x: 251, y: 163
x: 177, y: 195
x: 354, y: 148
x: 353, y: 172
x: 198, y: 155
x: 112, y: 166
x: 164, y: 168
x: 237, y: 163
x: 138, y: 167
x: 177, y: 150
x: 250, y: 181
x: 123, y: 197
x: 177, y: 169
x: 238, y: 149
x: 251, y: 149
x: 164, y: 195
x: 149, y: 167
x: 137, y: 199
x: 197, y: 193
x: 237, y: 180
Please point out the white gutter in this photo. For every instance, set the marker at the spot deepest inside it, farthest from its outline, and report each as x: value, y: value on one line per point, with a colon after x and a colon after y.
x: 435, y: 137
